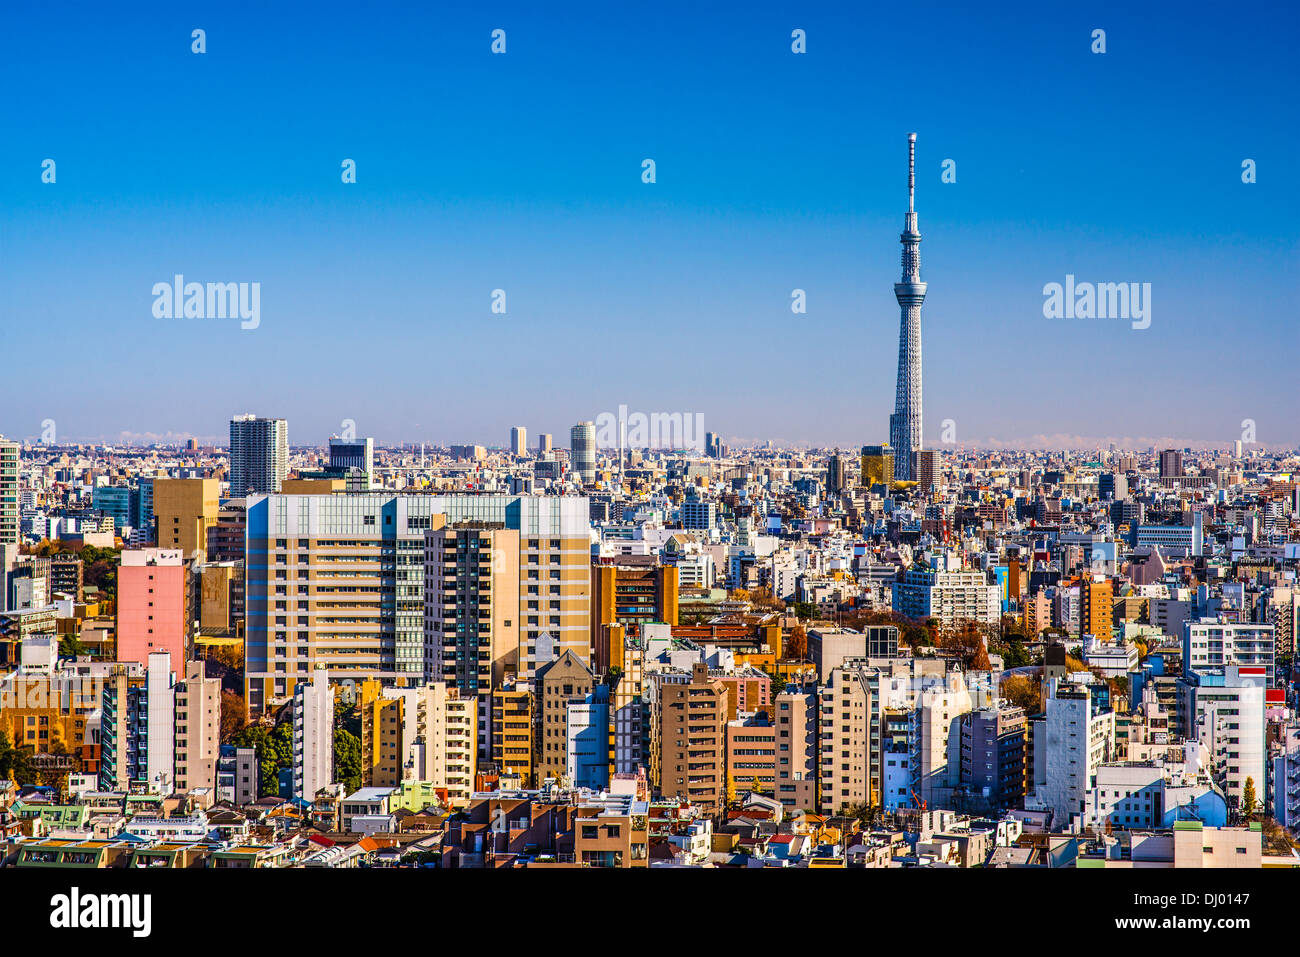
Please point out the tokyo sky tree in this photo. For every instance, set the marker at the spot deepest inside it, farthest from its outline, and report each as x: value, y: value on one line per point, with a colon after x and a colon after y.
x: 905, y: 423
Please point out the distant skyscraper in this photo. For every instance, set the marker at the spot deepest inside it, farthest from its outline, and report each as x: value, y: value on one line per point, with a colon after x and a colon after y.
x: 259, y: 454
x: 1171, y: 463
x: 905, y: 423
x: 8, y: 494
x: 518, y: 440
x: 347, y: 454
x: 582, y: 448
x: 544, y: 442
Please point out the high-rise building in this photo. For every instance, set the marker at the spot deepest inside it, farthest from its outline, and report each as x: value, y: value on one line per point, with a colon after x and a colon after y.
x: 566, y: 680
x: 845, y: 727
x: 8, y: 494
x: 184, y: 510
x: 518, y: 440
x: 837, y: 474
x: 795, y: 711
x: 544, y: 443
x: 259, y: 454
x: 1171, y: 463
x: 928, y: 470
x: 905, y: 423
x: 197, y: 729
x: 350, y: 457
x: 689, y: 739
x: 993, y: 755
x: 471, y: 614
x: 877, y: 465
x: 305, y: 550
x: 313, y: 736
x: 632, y: 595
x: 512, y: 730
x: 582, y: 451
x: 155, y: 610
x: 424, y: 734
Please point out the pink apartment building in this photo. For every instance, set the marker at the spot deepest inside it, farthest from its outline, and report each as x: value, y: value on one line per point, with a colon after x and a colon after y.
x: 152, y: 604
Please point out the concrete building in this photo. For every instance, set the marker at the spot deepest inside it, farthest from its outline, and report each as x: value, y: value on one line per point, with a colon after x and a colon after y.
x: 689, y: 739
x: 563, y: 682
x: 9, y: 534
x: 1213, y: 644
x: 1225, y: 713
x: 154, y: 605
x: 844, y: 725
x: 320, y: 566
x: 184, y: 510
x: 197, y: 729
x: 518, y: 441
x: 512, y: 730
x: 795, y: 717
x: 1078, y: 738
x: 313, y: 736
x: 751, y: 753
x: 993, y: 749
x: 950, y: 596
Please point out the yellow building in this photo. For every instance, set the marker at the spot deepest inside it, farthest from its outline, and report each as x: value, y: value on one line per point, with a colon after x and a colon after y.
x: 877, y: 465
x: 512, y: 730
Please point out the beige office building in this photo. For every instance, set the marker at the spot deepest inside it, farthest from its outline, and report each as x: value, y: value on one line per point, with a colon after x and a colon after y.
x: 184, y: 510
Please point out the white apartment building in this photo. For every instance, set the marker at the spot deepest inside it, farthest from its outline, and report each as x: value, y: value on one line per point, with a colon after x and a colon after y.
x: 1076, y: 743
x: 950, y: 596
x: 313, y: 736
x: 1213, y: 644
x: 1226, y: 714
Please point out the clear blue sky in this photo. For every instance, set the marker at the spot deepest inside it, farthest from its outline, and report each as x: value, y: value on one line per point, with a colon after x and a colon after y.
x: 523, y: 172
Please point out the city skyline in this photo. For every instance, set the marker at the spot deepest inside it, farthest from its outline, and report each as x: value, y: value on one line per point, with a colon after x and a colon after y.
x: 783, y: 177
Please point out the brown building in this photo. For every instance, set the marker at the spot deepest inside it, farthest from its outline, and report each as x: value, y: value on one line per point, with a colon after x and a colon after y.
x: 566, y: 680
x: 1096, y: 608
x: 629, y: 595
x: 795, y: 717
x: 689, y: 738
x: 184, y: 510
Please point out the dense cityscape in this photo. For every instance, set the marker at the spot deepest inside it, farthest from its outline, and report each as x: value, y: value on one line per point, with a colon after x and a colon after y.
x: 536, y: 656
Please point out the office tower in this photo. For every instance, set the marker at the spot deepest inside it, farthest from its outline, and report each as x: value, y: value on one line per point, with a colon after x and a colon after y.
x: 184, y: 510
x: 512, y: 730
x: 259, y: 454
x: 115, y: 502
x: 877, y: 465
x: 582, y: 449
x: 711, y: 443
x: 1112, y: 485
x: 142, y: 515
x: 1171, y: 463
x: 8, y: 494
x: 1236, y: 448
x: 795, y: 711
x: 304, y: 550
x: 313, y: 736
x: 905, y: 423
x: 566, y: 680
x: 197, y: 729
x: 882, y: 641
x: 544, y: 443
x: 347, y: 455
x: 689, y: 739
x: 632, y: 595
x: 518, y: 440
x: 837, y: 474
x: 154, y: 605
x: 472, y: 612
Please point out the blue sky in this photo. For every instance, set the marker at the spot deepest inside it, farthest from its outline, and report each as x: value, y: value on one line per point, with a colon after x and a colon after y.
x: 522, y: 171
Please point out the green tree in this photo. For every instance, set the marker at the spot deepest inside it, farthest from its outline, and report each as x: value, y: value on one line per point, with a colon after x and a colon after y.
x: 347, y: 759
x: 1248, y: 800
